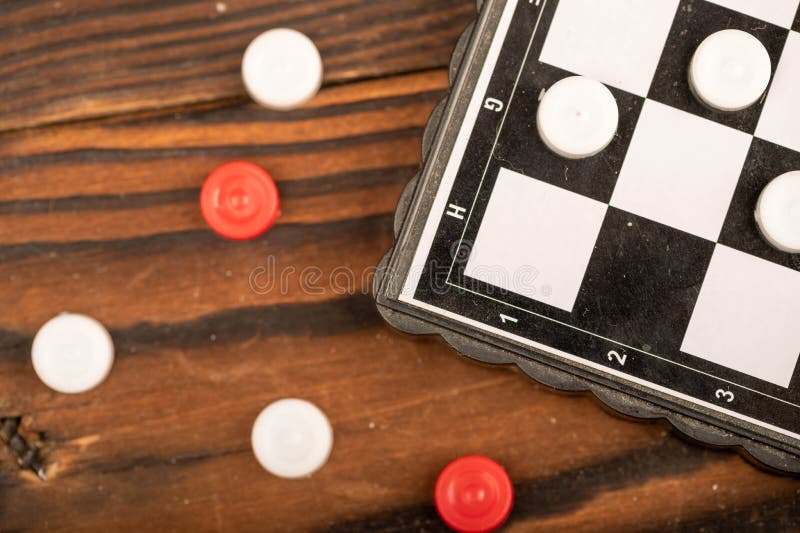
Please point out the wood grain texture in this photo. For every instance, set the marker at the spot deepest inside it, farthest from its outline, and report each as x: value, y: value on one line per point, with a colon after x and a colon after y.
x: 65, y: 60
x: 100, y: 215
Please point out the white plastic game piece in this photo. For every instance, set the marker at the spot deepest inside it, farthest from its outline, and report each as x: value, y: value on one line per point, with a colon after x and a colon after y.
x: 730, y: 70
x: 778, y: 212
x: 72, y: 353
x: 292, y: 438
x: 577, y: 117
x: 282, y: 69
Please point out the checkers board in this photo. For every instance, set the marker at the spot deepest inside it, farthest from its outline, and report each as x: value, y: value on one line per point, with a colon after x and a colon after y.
x: 638, y: 273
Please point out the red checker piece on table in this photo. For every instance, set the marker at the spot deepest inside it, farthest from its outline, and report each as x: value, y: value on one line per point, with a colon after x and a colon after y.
x: 240, y: 201
x: 474, y: 494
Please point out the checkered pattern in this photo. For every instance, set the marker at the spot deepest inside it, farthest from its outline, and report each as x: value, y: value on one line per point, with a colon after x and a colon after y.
x: 681, y: 180
x: 779, y: 12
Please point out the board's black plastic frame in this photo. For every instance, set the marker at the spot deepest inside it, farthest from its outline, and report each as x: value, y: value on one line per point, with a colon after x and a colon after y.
x: 438, y: 139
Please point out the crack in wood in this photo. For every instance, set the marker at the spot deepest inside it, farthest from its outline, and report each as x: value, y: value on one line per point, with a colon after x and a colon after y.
x: 27, y: 455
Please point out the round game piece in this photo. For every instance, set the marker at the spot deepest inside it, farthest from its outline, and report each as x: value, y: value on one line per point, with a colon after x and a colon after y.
x: 730, y: 70
x: 282, y: 69
x: 474, y: 494
x: 239, y: 201
x: 292, y: 438
x: 72, y: 353
x: 577, y: 117
x: 778, y: 212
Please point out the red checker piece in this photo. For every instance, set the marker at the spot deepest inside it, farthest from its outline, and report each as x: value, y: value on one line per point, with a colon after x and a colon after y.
x: 474, y: 494
x: 239, y: 201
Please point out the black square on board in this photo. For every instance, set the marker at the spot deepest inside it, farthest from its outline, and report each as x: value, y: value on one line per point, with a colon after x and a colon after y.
x: 521, y: 149
x: 642, y: 282
x: 796, y: 25
x: 696, y: 20
x: 765, y: 162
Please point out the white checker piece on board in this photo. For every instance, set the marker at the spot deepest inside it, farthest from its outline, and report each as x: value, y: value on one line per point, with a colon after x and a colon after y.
x: 536, y: 239
x: 778, y: 212
x: 616, y: 42
x: 781, y: 115
x: 681, y: 170
x: 730, y: 70
x: 746, y: 317
x: 577, y: 117
x: 778, y: 12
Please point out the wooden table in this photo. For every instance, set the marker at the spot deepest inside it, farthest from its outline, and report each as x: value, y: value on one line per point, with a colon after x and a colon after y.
x: 112, y: 113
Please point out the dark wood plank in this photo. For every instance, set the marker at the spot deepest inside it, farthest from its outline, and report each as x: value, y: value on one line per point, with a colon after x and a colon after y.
x: 165, y: 442
x: 326, y: 160
x: 65, y: 243
x: 74, y: 59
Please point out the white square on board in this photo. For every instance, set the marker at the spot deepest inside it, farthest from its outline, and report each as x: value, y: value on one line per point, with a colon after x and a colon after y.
x: 746, y: 317
x: 778, y: 12
x: 617, y: 42
x: 681, y: 170
x: 536, y: 239
x: 780, y: 119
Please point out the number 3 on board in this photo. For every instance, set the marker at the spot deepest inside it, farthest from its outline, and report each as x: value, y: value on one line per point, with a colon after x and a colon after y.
x: 724, y: 395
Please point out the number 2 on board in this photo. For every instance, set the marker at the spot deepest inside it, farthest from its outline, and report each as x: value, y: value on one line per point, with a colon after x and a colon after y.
x: 621, y: 359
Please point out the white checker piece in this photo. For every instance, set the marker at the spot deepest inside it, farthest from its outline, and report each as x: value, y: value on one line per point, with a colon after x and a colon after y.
x: 72, y: 353
x: 577, y: 117
x: 616, y: 42
x: 536, y: 239
x: 730, y: 70
x: 292, y: 438
x: 781, y: 115
x: 778, y: 212
x: 746, y: 317
x: 282, y: 69
x: 778, y: 12
x: 681, y: 170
